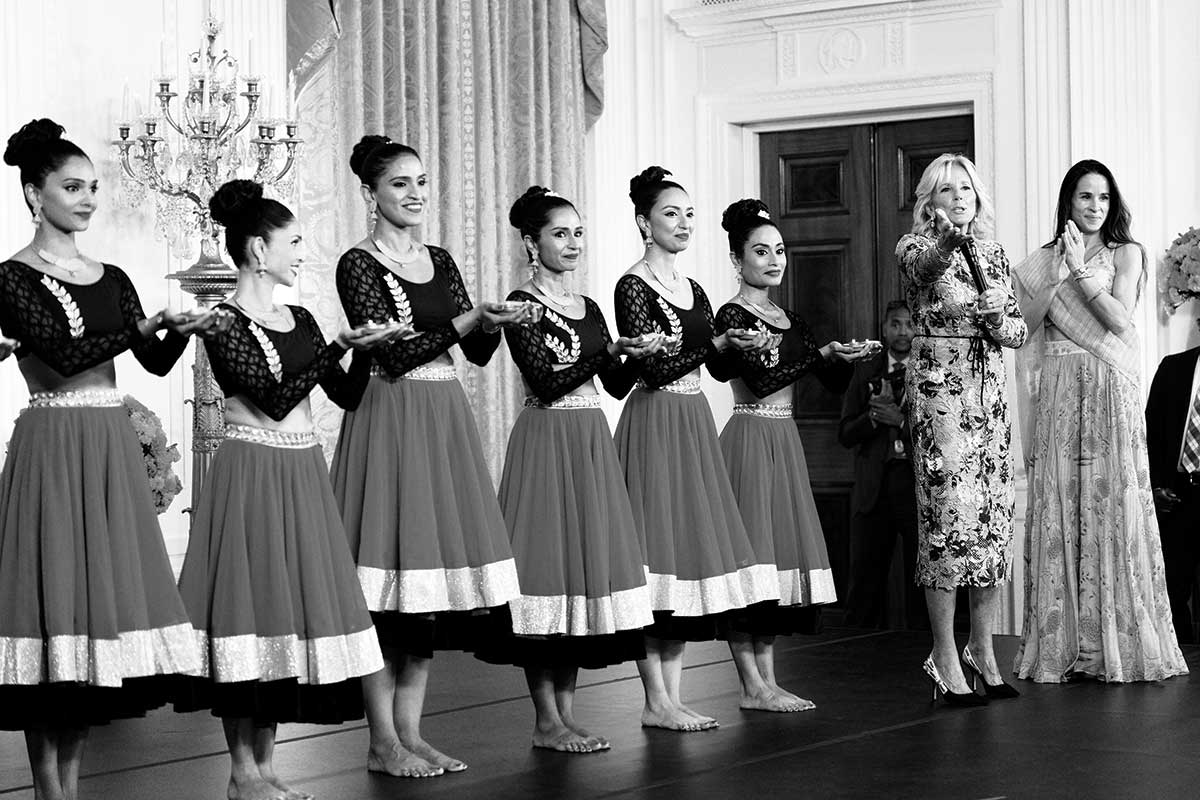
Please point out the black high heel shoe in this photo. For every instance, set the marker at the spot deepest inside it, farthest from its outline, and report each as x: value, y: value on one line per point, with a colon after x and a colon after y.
x: 952, y: 698
x: 997, y: 692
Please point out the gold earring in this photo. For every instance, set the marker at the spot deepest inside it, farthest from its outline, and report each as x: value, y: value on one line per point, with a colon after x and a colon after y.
x: 37, y: 215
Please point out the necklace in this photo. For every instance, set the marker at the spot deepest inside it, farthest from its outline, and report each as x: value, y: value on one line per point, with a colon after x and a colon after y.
x: 69, y: 265
x: 413, y: 252
x: 653, y: 274
x: 274, y: 316
x: 560, y: 300
x: 771, y: 315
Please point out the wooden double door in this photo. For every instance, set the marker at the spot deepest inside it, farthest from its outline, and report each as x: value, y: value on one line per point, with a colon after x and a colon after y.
x: 842, y: 197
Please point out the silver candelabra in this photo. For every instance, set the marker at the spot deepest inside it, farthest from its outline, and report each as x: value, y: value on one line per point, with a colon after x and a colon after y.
x: 208, y: 151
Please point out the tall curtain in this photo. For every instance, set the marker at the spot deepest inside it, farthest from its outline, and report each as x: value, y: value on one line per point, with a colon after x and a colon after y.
x: 494, y: 95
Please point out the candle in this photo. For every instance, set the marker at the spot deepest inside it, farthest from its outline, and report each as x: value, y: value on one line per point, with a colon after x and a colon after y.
x: 207, y: 9
x: 268, y: 110
x: 125, y: 103
x: 205, y: 88
x: 162, y: 57
x: 291, y: 96
x: 250, y: 57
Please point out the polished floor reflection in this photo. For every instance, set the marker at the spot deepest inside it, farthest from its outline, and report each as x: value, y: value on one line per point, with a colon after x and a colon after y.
x: 873, y: 734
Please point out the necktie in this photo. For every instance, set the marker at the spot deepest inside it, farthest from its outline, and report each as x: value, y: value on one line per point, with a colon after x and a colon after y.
x: 1189, y: 457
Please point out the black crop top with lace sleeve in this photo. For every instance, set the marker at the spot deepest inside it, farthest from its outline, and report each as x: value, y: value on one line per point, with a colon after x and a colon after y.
x: 370, y: 292
x: 767, y: 371
x: 642, y: 310
x: 73, y: 327
x: 276, y: 370
x: 557, y: 340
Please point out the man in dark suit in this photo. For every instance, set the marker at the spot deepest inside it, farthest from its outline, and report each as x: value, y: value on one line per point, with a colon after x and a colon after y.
x: 883, y: 503
x: 1173, y: 438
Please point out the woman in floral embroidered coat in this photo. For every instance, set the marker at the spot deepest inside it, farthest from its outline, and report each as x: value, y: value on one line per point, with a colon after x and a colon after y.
x: 959, y: 414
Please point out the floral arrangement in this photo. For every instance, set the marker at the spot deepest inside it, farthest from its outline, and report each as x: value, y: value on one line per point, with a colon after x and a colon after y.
x: 1182, y: 269
x: 158, y: 455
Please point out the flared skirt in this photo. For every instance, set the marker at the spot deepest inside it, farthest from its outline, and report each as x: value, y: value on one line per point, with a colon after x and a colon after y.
x: 1095, y: 588
x: 769, y: 476
x: 419, y: 507
x: 578, y: 554
x: 88, y: 594
x: 698, y: 556
x: 268, y: 580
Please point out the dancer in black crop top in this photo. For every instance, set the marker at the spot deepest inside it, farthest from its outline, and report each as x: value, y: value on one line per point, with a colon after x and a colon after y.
x: 563, y: 490
x: 417, y: 500
x: 268, y: 581
x: 764, y: 455
x: 81, y: 552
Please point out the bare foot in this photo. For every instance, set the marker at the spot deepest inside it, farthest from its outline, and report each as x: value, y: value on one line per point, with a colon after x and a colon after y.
x: 670, y: 718
x: 782, y: 692
x: 268, y: 774
x: 770, y: 701
x: 423, y: 749
x: 706, y: 722
x: 564, y: 740
x: 400, y: 763
x: 253, y: 789
x: 569, y: 720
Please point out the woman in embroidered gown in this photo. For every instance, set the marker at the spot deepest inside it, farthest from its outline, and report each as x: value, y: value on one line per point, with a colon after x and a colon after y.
x: 1095, y: 590
x: 583, y: 598
x: 268, y: 580
x: 419, y: 506
x: 764, y: 454
x: 700, y: 561
x: 958, y: 415
x: 92, y: 620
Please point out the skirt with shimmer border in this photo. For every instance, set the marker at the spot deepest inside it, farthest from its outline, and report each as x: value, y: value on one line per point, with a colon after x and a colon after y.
x: 698, y: 556
x: 272, y: 593
x: 769, y: 475
x: 421, y: 513
x: 577, y: 549
x: 93, y: 627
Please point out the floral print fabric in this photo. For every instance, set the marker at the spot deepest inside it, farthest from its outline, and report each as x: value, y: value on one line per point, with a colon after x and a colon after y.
x: 959, y: 417
x: 1095, y: 595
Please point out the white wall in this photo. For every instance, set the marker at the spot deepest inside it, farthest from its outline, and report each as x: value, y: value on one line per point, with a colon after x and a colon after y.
x: 70, y: 60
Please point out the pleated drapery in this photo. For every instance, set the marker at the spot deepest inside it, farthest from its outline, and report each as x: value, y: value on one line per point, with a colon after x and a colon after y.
x: 494, y: 95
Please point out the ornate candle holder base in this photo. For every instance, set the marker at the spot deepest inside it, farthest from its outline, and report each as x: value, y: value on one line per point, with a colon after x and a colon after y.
x: 211, y: 280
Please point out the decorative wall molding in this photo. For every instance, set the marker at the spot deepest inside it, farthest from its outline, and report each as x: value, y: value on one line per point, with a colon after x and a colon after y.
x: 730, y: 22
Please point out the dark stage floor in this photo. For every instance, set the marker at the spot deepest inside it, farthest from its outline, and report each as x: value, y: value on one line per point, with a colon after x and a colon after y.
x: 873, y: 734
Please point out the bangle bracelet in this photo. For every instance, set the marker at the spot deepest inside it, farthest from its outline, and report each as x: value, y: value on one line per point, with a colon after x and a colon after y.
x: 1097, y: 294
x: 995, y: 326
x: 1081, y: 274
x: 943, y: 256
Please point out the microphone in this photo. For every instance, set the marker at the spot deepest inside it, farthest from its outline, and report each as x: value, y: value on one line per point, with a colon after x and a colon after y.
x: 968, y: 254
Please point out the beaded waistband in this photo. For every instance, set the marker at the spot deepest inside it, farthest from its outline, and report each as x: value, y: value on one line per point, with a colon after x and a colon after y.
x: 83, y: 398
x: 566, y: 401
x: 768, y: 410
x: 681, y: 386
x: 294, y: 440
x: 425, y: 372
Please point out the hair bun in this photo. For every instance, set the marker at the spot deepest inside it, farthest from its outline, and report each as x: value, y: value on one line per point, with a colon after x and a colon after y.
x: 363, y: 149
x: 747, y: 211
x: 519, y: 213
x: 647, y: 177
x: 233, y: 200
x: 30, y: 140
